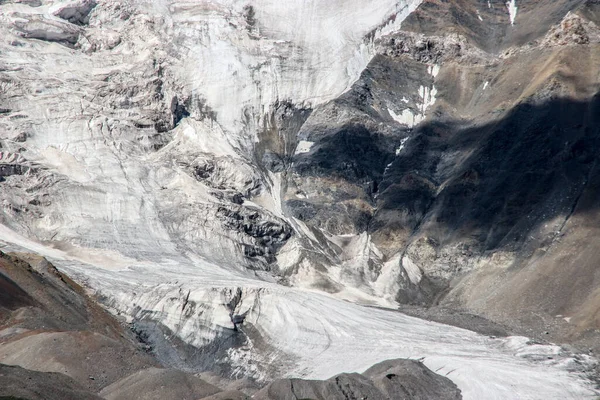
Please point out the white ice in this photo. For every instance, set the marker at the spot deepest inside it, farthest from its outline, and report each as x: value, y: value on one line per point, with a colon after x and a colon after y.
x: 313, y: 335
x: 319, y: 52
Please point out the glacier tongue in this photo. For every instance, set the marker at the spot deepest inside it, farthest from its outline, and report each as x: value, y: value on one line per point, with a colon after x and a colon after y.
x: 304, y: 333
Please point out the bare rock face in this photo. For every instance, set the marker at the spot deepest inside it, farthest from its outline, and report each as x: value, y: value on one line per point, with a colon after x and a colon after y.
x: 156, y: 384
x: 408, y: 379
x: 228, y: 395
x: 48, y: 324
x: 339, y: 387
x: 464, y: 170
x: 75, y: 11
x: 19, y: 383
x: 393, y: 379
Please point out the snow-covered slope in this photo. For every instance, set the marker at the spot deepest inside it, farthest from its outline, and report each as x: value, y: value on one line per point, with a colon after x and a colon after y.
x: 148, y: 148
x: 140, y: 127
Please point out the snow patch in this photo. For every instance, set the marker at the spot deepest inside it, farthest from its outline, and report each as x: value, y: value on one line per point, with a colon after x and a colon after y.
x: 428, y: 96
x: 412, y: 270
x: 524, y: 347
x: 401, y: 147
x: 388, y: 282
x: 512, y: 10
x: 289, y: 255
x: 433, y: 70
x: 303, y: 147
x: 406, y: 117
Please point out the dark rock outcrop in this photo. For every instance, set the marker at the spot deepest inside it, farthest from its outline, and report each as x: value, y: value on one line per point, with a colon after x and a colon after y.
x: 408, y: 379
x: 267, y: 233
x: 76, y: 12
x: 392, y: 379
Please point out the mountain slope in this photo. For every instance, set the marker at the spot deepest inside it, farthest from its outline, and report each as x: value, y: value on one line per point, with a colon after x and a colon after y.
x: 200, y: 163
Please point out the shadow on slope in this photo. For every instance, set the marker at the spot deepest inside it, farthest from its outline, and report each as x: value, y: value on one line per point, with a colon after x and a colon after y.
x: 519, y: 197
x: 497, y: 182
x: 495, y: 204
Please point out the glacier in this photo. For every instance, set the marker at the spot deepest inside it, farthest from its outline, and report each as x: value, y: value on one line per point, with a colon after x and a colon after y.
x: 309, y: 334
x: 114, y: 115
